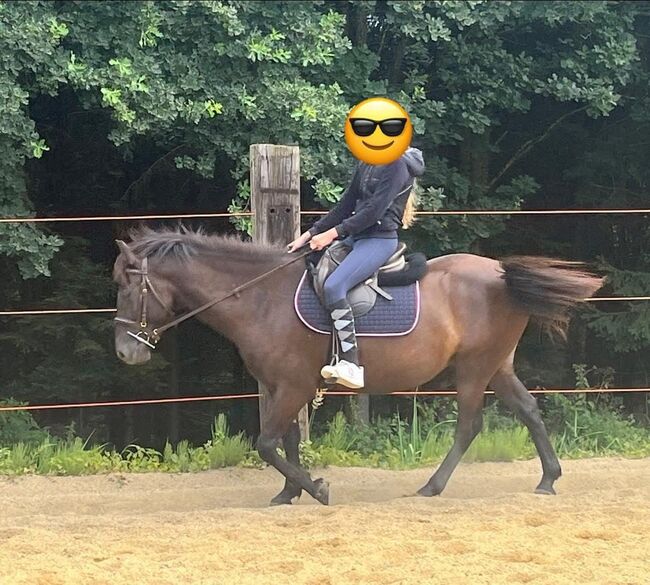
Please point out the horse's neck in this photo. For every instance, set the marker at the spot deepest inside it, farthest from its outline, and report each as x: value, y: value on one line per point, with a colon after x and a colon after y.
x: 242, y: 315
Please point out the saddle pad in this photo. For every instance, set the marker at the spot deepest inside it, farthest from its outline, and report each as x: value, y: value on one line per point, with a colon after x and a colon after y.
x: 385, y: 319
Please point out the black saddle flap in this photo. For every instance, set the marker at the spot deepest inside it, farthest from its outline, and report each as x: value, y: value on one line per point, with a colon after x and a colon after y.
x: 414, y: 270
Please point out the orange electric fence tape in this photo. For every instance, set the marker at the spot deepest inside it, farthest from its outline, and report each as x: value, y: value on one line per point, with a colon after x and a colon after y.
x: 329, y: 393
x: 319, y: 212
x: 25, y: 313
x: 515, y: 212
x: 121, y: 217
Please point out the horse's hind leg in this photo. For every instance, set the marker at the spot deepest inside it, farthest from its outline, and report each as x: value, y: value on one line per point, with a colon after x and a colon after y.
x: 282, y: 411
x: 291, y: 444
x: 510, y: 389
x: 471, y: 384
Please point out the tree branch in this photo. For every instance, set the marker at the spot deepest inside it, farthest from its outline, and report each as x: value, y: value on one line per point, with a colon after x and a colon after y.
x: 162, y: 159
x: 498, y: 140
x: 524, y: 148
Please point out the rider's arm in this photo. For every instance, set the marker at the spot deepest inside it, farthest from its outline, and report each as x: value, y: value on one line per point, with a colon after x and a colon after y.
x: 343, y: 209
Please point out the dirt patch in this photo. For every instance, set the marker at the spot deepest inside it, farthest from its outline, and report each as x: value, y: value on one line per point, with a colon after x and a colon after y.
x: 214, y: 528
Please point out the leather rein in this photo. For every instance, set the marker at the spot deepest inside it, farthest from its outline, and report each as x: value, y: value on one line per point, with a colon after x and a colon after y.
x: 151, y: 337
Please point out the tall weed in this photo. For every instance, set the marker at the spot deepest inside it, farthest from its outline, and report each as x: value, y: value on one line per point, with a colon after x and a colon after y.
x: 224, y: 449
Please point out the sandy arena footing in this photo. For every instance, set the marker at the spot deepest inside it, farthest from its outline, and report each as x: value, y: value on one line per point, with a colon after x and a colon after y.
x: 214, y: 528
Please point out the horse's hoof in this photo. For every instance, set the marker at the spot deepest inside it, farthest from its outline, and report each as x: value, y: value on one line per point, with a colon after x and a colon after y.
x: 283, y: 501
x: 322, y: 493
x: 285, y: 498
x: 429, y: 491
x: 544, y: 491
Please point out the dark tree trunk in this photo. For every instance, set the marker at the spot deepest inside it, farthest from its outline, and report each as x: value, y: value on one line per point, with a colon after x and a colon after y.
x: 395, y: 74
x: 475, y: 159
x: 356, y: 25
x: 128, y: 427
x: 174, y: 423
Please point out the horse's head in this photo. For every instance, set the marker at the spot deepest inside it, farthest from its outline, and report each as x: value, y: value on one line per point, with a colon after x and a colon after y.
x: 143, y: 302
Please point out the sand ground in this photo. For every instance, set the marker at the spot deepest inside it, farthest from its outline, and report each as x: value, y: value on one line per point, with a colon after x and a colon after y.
x: 214, y: 528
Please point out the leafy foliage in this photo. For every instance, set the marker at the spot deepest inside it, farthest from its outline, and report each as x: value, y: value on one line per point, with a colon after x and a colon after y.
x: 627, y: 327
x: 19, y: 426
x: 287, y: 72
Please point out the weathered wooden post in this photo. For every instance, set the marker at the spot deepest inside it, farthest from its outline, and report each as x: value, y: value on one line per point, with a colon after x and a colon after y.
x: 275, y: 202
x: 363, y: 402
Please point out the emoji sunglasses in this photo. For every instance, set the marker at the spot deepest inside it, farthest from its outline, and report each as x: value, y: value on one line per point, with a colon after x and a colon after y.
x: 390, y: 126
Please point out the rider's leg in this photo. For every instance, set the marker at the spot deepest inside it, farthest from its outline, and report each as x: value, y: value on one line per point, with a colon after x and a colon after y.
x: 347, y: 370
x: 366, y: 257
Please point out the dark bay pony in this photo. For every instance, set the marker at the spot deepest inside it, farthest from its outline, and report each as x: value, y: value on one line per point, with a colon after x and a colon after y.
x: 474, y: 312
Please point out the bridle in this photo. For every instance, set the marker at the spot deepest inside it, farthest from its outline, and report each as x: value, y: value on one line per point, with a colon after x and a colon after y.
x: 151, y: 337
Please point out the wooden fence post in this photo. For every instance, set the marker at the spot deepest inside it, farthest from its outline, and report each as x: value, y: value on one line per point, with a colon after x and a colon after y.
x: 363, y: 404
x: 275, y: 203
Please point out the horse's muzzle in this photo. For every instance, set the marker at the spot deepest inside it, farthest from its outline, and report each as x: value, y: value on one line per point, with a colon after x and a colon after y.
x: 132, y: 353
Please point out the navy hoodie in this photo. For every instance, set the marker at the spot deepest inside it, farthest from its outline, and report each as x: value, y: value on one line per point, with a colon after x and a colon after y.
x: 373, y: 204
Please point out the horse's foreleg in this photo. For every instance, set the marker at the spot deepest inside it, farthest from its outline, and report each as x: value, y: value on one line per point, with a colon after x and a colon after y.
x: 281, y: 413
x: 510, y: 389
x: 291, y: 444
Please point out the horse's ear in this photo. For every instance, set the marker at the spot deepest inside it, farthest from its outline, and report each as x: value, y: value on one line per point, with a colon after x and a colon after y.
x: 131, y: 258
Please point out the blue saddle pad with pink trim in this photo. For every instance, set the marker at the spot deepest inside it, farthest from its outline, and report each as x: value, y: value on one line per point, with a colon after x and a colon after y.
x: 385, y: 319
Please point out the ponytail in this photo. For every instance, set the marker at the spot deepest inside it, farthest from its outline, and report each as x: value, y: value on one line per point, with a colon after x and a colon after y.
x: 409, y: 211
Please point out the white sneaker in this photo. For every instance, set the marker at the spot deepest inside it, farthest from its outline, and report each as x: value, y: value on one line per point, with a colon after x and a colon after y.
x: 345, y: 373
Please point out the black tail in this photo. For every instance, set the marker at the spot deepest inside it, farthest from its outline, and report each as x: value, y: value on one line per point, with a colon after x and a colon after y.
x: 547, y: 288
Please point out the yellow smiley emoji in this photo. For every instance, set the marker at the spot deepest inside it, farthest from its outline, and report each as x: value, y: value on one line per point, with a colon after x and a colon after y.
x: 378, y: 131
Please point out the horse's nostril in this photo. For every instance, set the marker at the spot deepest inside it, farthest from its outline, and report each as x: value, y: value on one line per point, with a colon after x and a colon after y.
x: 121, y: 355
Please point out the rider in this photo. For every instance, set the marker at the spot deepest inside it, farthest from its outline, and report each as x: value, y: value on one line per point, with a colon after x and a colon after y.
x: 377, y: 203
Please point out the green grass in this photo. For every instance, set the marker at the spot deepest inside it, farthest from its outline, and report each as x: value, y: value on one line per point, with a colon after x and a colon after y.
x: 579, y: 428
x: 73, y: 456
x: 63, y: 457
x: 501, y: 445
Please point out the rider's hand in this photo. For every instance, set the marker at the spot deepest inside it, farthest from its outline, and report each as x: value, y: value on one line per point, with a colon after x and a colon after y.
x: 299, y: 242
x: 323, y: 240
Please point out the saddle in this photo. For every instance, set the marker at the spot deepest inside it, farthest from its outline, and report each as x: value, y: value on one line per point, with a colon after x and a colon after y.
x: 399, y: 270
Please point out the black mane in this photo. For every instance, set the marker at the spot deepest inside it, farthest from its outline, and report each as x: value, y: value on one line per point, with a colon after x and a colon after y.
x: 183, y: 243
